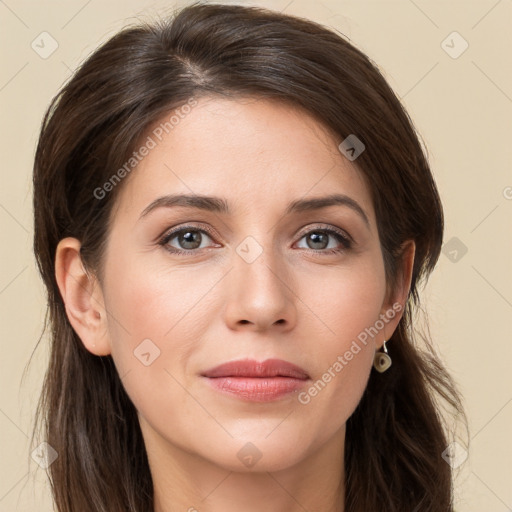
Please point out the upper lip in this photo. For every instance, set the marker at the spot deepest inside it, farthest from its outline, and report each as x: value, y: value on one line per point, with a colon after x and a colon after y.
x: 252, y: 368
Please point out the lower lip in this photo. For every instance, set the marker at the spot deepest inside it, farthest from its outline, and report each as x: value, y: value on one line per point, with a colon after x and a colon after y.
x: 257, y: 389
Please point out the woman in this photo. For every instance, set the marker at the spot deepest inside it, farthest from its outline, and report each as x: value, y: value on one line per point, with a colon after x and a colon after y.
x: 233, y: 214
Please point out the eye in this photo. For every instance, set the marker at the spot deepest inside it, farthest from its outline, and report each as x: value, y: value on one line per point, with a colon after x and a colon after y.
x: 188, y: 238
x: 318, y: 240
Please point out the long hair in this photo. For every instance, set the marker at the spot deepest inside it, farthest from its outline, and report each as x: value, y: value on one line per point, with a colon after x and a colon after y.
x: 397, y: 435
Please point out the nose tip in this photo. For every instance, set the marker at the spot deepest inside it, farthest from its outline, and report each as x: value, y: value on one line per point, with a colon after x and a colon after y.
x: 260, y: 297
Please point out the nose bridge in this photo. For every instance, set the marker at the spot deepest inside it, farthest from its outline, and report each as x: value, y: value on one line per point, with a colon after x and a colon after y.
x: 261, y: 293
x: 258, y: 264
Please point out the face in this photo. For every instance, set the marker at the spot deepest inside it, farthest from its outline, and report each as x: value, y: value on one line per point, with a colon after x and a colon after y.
x: 188, y: 287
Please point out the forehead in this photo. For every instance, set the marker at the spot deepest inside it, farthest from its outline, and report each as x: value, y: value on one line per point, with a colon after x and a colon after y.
x: 254, y: 152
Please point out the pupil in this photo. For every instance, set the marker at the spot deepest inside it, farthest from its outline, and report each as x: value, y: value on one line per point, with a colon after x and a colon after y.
x: 316, y: 238
x: 188, y: 238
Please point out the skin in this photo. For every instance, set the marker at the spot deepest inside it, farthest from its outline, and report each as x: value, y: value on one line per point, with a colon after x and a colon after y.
x: 295, y: 302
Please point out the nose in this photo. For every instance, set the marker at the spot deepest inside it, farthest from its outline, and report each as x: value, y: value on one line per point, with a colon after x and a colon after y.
x: 260, y: 294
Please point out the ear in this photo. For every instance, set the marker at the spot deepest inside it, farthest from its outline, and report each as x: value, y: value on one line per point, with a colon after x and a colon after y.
x: 82, y: 297
x: 394, y: 305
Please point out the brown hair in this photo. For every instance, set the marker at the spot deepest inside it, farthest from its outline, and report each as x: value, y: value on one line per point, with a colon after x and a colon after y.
x: 396, y: 436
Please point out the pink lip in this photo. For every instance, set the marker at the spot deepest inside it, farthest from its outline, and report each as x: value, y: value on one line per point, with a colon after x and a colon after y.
x: 257, y: 381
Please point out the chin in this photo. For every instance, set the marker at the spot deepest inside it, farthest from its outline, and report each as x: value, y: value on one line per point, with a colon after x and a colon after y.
x: 253, y: 454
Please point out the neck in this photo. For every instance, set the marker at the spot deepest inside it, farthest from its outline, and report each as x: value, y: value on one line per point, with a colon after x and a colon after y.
x: 187, y: 482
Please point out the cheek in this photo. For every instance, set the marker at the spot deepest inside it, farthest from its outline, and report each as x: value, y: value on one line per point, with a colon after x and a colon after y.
x: 348, y: 310
x: 350, y: 304
x: 156, y: 303
x: 151, y: 338
x: 158, y: 317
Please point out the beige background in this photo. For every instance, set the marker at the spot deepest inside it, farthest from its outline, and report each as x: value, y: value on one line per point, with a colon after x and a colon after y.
x: 461, y: 106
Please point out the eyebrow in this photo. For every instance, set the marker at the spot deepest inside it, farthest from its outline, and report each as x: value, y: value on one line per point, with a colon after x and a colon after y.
x: 220, y: 205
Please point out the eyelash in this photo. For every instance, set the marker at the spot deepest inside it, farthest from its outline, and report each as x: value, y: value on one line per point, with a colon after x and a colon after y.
x: 330, y: 231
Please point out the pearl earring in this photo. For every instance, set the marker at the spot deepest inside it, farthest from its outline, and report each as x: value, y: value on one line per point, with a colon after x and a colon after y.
x: 381, y: 360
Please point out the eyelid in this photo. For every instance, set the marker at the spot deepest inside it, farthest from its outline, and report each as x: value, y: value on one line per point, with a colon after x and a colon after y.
x: 327, y: 227
x: 168, y: 234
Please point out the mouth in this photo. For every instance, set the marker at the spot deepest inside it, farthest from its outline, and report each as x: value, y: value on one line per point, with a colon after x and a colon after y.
x: 257, y: 381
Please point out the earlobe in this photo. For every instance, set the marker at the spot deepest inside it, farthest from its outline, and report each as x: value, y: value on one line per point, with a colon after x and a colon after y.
x: 82, y: 297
